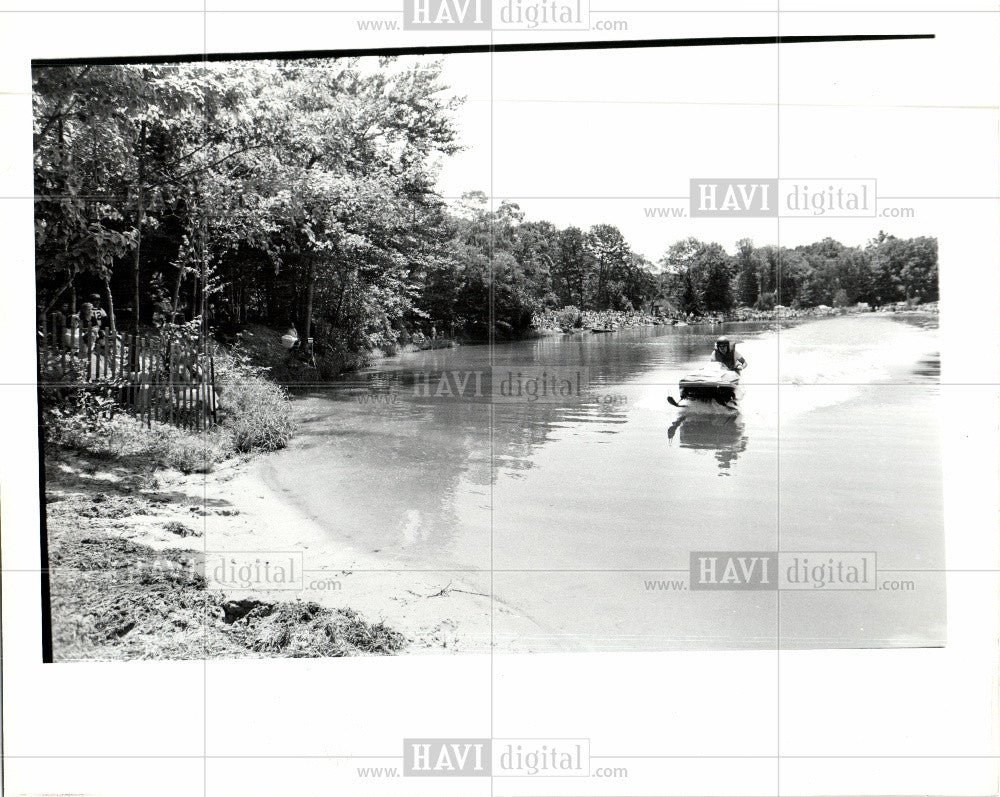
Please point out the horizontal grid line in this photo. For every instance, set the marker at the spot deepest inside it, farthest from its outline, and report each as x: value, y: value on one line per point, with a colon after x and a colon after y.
x: 525, y: 197
x: 347, y: 570
x: 774, y: 11
x: 393, y: 756
x: 201, y: 12
x: 762, y: 104
x: 540, y: 404
x: 601, y: 11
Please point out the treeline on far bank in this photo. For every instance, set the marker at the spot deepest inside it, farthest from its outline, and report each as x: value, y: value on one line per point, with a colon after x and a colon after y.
x: 305, y: 193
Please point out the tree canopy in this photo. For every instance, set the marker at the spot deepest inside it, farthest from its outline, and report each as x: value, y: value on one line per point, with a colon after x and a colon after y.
x: 306, y: 193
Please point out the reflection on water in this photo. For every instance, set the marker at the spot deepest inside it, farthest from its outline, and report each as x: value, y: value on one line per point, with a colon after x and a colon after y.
x: 929, y: 366
x: 721, y: 434
x: 616, y: 480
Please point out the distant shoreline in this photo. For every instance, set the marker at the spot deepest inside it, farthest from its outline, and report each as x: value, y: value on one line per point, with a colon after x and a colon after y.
x: 590, y: 319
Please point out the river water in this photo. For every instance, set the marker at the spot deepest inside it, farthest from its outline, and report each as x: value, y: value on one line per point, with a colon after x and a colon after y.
x: 581, y: 512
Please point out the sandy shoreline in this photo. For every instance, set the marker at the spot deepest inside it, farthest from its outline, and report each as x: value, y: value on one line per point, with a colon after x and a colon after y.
x: 437, y: 611
x: 105, y: 520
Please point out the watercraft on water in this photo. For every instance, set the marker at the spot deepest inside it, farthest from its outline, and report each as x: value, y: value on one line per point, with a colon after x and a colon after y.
x: 710, y: 386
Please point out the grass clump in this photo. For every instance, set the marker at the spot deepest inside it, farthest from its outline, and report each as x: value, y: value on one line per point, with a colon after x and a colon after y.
x: 114, y: 599
x: 304, y: 629
x: 126, y: 439
x: 255, y: 411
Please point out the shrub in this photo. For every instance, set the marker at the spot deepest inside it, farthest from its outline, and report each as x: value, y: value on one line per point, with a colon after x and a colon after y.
x: 569, y: 316
x: 78, y: 418
x: 767, y: 301
x: 72, y: 409
x: 194, y: 452
x: 126, y: 438
x: 255, y: 411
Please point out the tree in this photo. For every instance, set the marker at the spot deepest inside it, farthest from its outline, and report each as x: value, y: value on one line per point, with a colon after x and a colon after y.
x: 717, y: 286
x: 610, y: 253
x: 79, y: 219
x: 918, y: 269
x: 748, y: 266
x: 572, y: 266
x: 886, y: 285
x: 536, y: 247
x: 705, y: 274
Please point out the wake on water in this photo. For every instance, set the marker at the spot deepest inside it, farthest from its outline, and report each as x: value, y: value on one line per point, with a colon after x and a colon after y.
x: 693, y: 407
x: 831, y: 359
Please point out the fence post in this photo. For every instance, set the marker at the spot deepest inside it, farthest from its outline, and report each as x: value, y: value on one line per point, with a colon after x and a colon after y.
x: 160, y: 378
x: 212, y: 401
x: 154, y: 398
x: 144, y: 377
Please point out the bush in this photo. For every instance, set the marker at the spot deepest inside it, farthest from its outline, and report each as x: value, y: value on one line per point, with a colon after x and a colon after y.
x: 569, y: 316
x: 841, y: 299
x: 255, y: 411
x: 125, y: 437
x: 767, y: 301
x: 71, y: 408
x: 78, y: 415
x: 194, y: 452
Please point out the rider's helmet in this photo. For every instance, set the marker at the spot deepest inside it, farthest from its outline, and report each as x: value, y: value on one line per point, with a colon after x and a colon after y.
x: 722, y: 344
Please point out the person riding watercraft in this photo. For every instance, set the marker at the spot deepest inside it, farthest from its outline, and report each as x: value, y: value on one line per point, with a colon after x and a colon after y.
x: 725, y: 353
x: 712, y: 384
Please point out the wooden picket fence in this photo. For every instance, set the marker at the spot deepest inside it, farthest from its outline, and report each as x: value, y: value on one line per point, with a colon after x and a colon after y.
x: 167, y: 379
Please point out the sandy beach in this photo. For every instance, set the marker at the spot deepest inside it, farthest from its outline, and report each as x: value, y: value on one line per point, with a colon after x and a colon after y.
x: 197, y: 521
x: 437, y: 611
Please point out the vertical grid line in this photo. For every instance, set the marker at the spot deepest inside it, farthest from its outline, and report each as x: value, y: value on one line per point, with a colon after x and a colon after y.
x: 204, y: 512
x: 492, y: 334
x: 777, y: 435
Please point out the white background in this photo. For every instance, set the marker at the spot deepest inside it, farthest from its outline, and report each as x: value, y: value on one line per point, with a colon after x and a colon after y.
x: 920, y: 117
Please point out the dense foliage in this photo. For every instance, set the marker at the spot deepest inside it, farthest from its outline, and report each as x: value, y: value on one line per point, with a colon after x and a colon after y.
x: 701, y: 277
x: 305, y: 192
